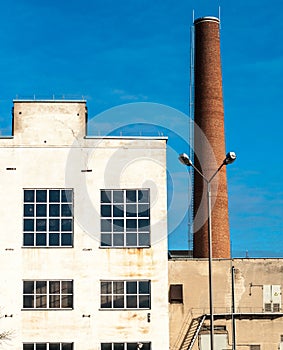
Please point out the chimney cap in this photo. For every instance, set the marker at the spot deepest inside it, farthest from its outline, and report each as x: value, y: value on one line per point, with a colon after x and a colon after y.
x: 206, y: 19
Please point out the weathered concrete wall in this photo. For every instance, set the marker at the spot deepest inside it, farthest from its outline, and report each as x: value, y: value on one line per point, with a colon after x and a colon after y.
x: 58, y: 163
x: 193, y: 274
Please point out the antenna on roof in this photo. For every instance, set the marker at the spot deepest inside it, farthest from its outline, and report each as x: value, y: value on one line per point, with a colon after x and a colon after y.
x: 219, y: 15
x: 193, y: 16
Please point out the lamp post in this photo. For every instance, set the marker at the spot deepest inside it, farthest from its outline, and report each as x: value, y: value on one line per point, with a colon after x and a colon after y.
x: 230, y: 158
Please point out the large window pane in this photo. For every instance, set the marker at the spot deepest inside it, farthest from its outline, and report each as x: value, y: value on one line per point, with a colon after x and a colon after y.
x: 29, y: 195
x: 144, y: 301
x: 105, y: 197
x: 54, y: 301
x: 118, y: 302
x: 118, y: 210
x: 54, y: 210
x: 131, y: 287
x: 144, y: 287
x: 41, y: 287
x: 54, y: 239
x: 41, y: 301
x: 28, y: 287
x: 67, y: 196
x: 66, y: 224
x: 106, y: 287
x: 118, y: 196
x: 131, y: 196
x: 41, y: 346
x: 41, y: 210
x: 143, y: 196
x: 28, y: 239
x: 66, y: 346
x: 28, y: 225
x: 29, y: 210
x: 66, y: 239
x: 54, y: 196
x: 106, y: 225
x: 54, y: 287
x: 28, y: 301
x: 40, y: 239
x: 119, y: 346
x: 66, y: 210
x: 54, y: 225
x: 28, y: 347
x: 41, y: 196
x: 132, y: 302
x: 41, y: 225
x: 131, y: 240
x: 106, y: 302
x: 67, y: 301
x: 67, y: 287
x: 54, y: 346
x: 106, y: 240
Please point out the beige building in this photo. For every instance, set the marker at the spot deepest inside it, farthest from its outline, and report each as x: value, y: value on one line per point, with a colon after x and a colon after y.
x: 83, y: 234
x: 257, y: 303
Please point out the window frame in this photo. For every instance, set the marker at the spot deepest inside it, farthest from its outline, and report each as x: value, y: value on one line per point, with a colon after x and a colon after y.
x: 125, y: 347
x: 120, y: 299
x: 125, y: 221
x: 41, y: 226
x: 36, y: 297
x: 48, y: 345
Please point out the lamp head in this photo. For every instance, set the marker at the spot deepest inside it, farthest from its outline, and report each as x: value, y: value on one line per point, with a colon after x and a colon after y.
x: 184, y: 159
x: 230, y: 158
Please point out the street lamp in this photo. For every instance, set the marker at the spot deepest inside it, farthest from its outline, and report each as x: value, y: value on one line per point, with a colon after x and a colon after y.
x: 230, y: 158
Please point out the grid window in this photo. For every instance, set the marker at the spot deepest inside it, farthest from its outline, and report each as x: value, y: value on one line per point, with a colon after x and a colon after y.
x: 125, y: 218
x: 48, y: 346
x: 125, y: 294
x: 48, y: 294
x: 126, y: 346
x: 48, y: 218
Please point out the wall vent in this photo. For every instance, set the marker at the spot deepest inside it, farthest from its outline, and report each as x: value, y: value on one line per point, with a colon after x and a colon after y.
x: 255, y: 347
x: 176, y: 294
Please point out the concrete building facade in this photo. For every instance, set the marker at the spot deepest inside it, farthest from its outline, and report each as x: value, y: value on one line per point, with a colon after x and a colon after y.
x: 83, y: 249
x: 247, y: 295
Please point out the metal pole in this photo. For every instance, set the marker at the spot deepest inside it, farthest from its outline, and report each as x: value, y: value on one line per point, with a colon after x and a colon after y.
x: 233, y: 310
x: 210, y: 266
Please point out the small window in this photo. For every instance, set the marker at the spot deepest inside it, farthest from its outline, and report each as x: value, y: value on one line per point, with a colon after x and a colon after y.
x: 126, y: 346
x: 267, y: 307
x: 254, y: 347
x: 176, y: 294
x: 48, y: 346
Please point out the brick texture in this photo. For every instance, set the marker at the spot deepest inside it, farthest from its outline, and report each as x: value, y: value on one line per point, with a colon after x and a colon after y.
x: 209, y: 150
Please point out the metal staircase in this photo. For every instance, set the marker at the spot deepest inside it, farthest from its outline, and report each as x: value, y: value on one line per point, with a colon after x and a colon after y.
x: 192, y: 333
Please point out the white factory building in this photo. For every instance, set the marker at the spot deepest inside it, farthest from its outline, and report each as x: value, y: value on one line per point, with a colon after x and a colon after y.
x: 84, y: 261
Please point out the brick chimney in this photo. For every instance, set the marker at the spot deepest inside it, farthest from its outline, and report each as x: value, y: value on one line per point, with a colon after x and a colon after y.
x: 209, y: 116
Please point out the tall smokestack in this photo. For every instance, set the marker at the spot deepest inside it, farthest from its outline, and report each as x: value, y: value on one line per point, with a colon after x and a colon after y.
x: 209, y: 116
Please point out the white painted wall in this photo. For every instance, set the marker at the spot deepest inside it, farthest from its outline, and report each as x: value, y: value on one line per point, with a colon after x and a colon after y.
x: 57, y: 163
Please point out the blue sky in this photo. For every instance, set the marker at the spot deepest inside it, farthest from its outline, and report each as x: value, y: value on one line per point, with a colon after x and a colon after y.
x: 138, y: 51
